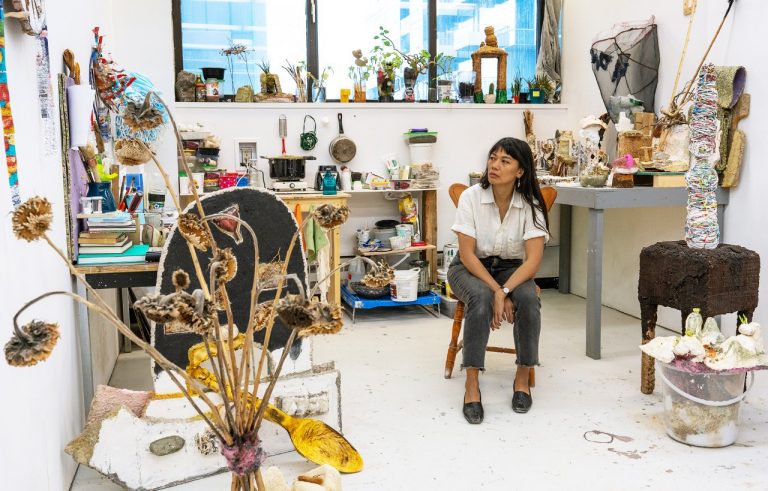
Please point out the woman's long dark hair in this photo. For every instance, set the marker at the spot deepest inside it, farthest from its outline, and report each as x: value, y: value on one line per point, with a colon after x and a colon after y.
x: 528, y: 184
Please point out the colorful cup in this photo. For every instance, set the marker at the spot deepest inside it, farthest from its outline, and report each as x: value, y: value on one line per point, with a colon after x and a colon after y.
x: 344, y: 95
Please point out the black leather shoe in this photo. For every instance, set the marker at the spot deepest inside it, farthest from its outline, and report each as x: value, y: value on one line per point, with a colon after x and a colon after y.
x: 473, y: 412
x: 521, y: 402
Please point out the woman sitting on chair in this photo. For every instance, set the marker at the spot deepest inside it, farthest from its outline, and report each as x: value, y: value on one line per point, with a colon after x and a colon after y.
x: 502, y: 227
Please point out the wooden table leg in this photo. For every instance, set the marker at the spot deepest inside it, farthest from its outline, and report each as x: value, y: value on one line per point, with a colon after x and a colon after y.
x: 334, y: 291
x: 648, y: 314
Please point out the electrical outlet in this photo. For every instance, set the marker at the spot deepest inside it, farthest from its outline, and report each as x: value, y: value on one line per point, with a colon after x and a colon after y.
x: 246, y: 150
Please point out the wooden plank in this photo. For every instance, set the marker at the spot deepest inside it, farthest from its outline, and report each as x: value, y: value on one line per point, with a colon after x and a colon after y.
x: 407, y: 250
x: 117, y: 268
x: 429, y: 229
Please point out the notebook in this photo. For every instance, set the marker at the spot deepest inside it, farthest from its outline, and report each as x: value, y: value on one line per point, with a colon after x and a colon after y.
x: 135, y: 254
x: 105, y: 249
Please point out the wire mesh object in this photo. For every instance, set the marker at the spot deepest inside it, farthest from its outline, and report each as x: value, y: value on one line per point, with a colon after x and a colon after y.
x: 625, y: 61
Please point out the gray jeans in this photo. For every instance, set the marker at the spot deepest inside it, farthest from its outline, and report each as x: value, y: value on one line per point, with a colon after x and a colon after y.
x: 478, y: 301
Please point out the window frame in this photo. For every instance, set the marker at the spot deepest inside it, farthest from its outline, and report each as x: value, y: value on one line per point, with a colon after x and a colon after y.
x: 313, y: 54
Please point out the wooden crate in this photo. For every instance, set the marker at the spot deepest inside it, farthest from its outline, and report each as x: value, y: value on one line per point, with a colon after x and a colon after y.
x: 660, y: 179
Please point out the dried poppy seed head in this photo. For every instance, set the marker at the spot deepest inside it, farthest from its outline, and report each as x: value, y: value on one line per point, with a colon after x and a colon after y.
x: 35, y: 345
x: 328, y: 320
x: 192, y: 229
x: 32, y: 219
x: 140, y: 117
x: 261, y: 315
x: 180, y: 279
x: 130, y: 151
x: 224, y: 265
x: 161, y: 308
x: 269, y: 274
x: 329, y: 216
x: 295, y: 312
x: 380, y: 275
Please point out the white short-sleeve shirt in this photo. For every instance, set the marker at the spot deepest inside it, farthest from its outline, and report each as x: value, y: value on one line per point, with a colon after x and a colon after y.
x: 478, y: 216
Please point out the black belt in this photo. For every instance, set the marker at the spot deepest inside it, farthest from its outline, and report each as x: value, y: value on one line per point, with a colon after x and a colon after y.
x: 494, y: 261
x: 497, y: 262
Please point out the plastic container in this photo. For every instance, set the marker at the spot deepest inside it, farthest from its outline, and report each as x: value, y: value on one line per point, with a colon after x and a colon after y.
x: 405, y: 286
x: 421, y: 152
x: 405, y: 230
x: 397, y: 243
x: 702, y: 409
x: 449, y: 252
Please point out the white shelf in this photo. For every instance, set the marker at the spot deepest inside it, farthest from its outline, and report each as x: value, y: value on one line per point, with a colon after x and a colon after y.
x: 362, y: 191
x: 439, y: 106
x: 407, y: 250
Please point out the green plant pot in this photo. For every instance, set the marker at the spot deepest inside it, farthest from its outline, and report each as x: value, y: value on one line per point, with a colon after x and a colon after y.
x: 537, y: 97
x: 501, y: 96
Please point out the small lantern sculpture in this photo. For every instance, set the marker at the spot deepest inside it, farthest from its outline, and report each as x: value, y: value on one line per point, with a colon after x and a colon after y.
x: 490, y: 49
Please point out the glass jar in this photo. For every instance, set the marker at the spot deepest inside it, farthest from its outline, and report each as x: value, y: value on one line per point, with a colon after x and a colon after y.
x: 424, y: 281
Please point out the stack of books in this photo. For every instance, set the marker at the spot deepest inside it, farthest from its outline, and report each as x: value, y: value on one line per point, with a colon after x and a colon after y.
x: 107, y: 240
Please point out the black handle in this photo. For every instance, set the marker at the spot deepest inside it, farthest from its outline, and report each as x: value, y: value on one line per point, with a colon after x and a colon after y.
x: 341, y: 127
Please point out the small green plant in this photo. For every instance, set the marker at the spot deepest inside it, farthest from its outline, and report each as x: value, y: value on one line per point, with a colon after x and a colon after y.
x: 491, y: 89
x: 444, y: 65
x: 264, y: 65
x: 319, y: 82
x: 517, y: 85
x: 418, y: 62
x: 360, y: 71
x: 542, y: 83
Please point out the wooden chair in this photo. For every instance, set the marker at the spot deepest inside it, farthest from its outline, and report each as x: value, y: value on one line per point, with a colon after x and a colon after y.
x: 550, y: 194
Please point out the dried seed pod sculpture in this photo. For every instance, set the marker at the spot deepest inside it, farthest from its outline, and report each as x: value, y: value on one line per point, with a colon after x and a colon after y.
x: 235, y: 421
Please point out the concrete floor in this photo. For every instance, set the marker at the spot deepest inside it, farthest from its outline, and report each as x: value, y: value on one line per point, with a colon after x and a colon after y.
x: 406, y: 421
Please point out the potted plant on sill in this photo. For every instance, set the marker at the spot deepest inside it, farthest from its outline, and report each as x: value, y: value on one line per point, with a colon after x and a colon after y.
x: 540, y: 88
x: 359, y: 73
x: 416, y: 63
x: 385, y: 63
x: 318, y: 84
x: 444, y: 64
x: 490, y: 97
x: 517, y: 85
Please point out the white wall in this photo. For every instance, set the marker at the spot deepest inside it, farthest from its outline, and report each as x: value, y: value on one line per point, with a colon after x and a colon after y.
x: 466, y: 133
x: 627, y: 231
x: 42, y: 406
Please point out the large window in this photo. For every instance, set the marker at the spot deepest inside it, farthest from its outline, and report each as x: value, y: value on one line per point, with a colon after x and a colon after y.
x: 345, y: 25
x: 271, y: 31
x: 460, y: 31
x: 277, y: 30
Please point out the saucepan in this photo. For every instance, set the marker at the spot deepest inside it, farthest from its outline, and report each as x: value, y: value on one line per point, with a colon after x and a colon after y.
x: 342, y: 148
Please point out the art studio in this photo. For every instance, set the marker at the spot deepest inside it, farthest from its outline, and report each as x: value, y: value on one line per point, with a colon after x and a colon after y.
x: 315, y: 245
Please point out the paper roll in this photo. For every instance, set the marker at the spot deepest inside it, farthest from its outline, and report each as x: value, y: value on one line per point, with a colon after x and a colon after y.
x: 80, y: 104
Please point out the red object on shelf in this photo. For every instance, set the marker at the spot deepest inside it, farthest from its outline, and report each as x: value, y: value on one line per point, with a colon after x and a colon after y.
x: 418, y: 244
x: 229, y: 179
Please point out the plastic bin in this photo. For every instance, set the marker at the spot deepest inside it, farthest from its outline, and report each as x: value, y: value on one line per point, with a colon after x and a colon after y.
x: 702, y: 409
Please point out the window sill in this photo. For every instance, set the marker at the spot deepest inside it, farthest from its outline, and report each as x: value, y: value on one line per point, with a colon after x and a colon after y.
x: 369, y: 105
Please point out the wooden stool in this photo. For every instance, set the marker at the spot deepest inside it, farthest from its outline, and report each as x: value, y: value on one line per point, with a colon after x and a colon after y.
x: 718, y: 281
x: 455, y: 345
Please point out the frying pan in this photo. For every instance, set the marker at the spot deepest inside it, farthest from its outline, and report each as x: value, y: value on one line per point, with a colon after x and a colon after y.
x: 342, y: 148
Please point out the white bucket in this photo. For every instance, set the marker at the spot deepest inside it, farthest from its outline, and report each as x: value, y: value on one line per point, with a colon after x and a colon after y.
x: 702, y: 409
x: 421, y: 152
x: 405, y: 286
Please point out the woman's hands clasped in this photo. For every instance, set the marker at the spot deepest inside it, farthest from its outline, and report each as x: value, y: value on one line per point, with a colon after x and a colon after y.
x: 503, y: 309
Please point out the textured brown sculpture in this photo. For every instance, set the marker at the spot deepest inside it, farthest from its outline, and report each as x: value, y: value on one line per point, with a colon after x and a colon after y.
x: 490, y: 49
x: 718, y: 281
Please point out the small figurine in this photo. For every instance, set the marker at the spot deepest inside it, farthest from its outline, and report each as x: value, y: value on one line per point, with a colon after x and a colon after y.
x: 490, y: 38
